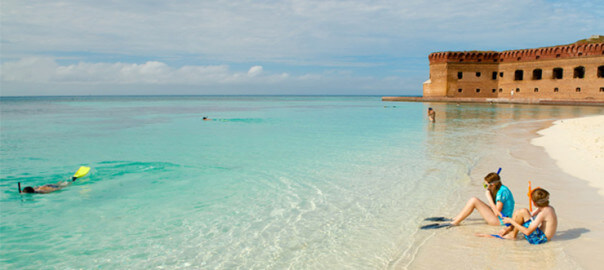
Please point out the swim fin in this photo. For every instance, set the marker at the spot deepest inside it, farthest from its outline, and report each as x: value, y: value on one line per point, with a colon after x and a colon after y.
x: 438, y: 219
x: 82, y: 171
x: 435, y: 226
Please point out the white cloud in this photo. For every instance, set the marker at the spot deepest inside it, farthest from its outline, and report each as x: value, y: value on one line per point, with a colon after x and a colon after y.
x: 254, y: 71
x: 44, y: 76
x: 196, y: 42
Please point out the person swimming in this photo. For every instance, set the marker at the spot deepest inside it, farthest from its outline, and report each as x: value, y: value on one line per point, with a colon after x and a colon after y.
x: 48, y: 188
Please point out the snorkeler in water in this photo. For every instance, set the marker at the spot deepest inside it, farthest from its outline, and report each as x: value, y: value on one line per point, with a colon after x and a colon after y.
x: 48, y: 188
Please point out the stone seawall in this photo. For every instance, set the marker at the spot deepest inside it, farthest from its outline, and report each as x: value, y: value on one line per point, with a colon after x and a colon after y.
x: 497, y: 100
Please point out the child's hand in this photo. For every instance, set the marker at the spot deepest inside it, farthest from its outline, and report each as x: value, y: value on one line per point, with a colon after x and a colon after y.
x: 507, y: 220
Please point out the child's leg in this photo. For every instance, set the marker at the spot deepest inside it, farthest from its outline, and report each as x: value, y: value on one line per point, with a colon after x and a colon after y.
x: 485, y: 211
x: 520, y: 216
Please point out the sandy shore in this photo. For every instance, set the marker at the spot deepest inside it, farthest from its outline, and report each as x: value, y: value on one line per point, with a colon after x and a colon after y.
x: 577, y: 145
x: 570, y: 174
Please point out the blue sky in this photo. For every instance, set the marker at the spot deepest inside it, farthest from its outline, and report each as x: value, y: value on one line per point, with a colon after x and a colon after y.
x: 87, y: 47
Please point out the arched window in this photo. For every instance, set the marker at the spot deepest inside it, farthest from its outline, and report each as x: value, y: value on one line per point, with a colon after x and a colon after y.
x: 557, y: 74
x: 537, y: 74
x: 518, y: 74
x: 478, y: 90
x: 459, y: 75
x: 478, y: 74
x: 578, y: 90
x: 494, y: 76
x: 579, y: 72
x: 601, y: 72
x: 459, y: 90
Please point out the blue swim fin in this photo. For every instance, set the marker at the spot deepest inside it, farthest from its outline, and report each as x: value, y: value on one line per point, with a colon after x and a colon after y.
x: 437, y: 219
x: 435, y: 226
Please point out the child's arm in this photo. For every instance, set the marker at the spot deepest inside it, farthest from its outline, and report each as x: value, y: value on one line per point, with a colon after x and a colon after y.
x: 496, y: 208
x: 524, y: 230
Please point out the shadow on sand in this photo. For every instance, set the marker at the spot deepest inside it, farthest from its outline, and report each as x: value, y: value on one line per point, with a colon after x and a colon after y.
x: 570, y: 234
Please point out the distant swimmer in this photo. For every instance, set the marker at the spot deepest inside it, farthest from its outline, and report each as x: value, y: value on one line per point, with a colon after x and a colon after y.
x: 431, y: 115
x: 539, y: 226
x: 48, y: 188
x: 206, y: 119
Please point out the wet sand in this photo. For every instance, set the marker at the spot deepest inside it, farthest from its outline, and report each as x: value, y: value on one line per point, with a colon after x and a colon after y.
x: 580, y: 236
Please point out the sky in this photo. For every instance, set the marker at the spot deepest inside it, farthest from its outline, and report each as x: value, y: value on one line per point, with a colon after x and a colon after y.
x: 263, y: 47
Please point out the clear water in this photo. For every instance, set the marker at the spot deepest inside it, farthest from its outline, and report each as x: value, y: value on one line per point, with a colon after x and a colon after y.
x: 270, y: 183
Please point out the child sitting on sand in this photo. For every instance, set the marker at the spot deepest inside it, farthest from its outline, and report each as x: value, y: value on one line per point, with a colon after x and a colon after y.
x: 538, y: 227
x: 500, y: 203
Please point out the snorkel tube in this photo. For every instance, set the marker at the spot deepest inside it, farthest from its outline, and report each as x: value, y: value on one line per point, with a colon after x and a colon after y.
x: 498, y: 171
x: 19, y: 185
x: 530, y: 195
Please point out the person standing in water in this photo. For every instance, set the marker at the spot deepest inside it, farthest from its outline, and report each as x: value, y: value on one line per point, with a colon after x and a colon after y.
x: 431, y: 115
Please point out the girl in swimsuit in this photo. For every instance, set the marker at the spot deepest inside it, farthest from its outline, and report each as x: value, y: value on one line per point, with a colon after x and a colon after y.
x: 500, y: 203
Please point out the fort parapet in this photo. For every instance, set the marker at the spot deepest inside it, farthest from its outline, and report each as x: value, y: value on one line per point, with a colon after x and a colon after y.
x: 567, y: 74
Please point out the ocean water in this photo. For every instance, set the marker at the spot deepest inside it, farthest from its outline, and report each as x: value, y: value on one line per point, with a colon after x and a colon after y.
x: 271, y: 182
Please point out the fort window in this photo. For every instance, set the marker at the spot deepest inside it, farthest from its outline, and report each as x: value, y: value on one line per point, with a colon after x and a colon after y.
x: 519, y: 58
x: 459, y: 75
x: 557, y: 74
x: 500, y: 90
x: 501, y: 74
x: 601, y: 72
x: 477, y: 90
x: 578, y: 90
x: 601, y: 89
x: 580, y: 53
x: 459, y: 90
x: 537, y: 57
x: 478, y: 74
x: 557, y: 55
x: 494, y: 90
x: 556, y: 89
x: 517, y: 89
x: 579, y: 72
x: 518, y: 75
x: 494, y: 75
x: 536, y: 90
x: 537, y: 74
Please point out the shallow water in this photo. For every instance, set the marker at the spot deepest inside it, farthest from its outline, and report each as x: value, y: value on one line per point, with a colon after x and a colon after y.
x: 270, y: 182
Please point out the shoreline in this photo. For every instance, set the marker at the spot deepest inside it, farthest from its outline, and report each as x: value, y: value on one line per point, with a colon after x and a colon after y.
x: 577, y: 203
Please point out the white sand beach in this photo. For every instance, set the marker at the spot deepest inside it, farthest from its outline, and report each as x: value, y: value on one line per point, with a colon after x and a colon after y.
x: 577, y: 145
x: 565, y: 158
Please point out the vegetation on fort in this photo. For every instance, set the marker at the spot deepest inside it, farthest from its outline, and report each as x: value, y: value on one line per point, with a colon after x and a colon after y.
x: 593, y: 39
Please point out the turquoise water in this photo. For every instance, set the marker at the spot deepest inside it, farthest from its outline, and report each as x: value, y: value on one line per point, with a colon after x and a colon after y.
x: 270, y: 182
